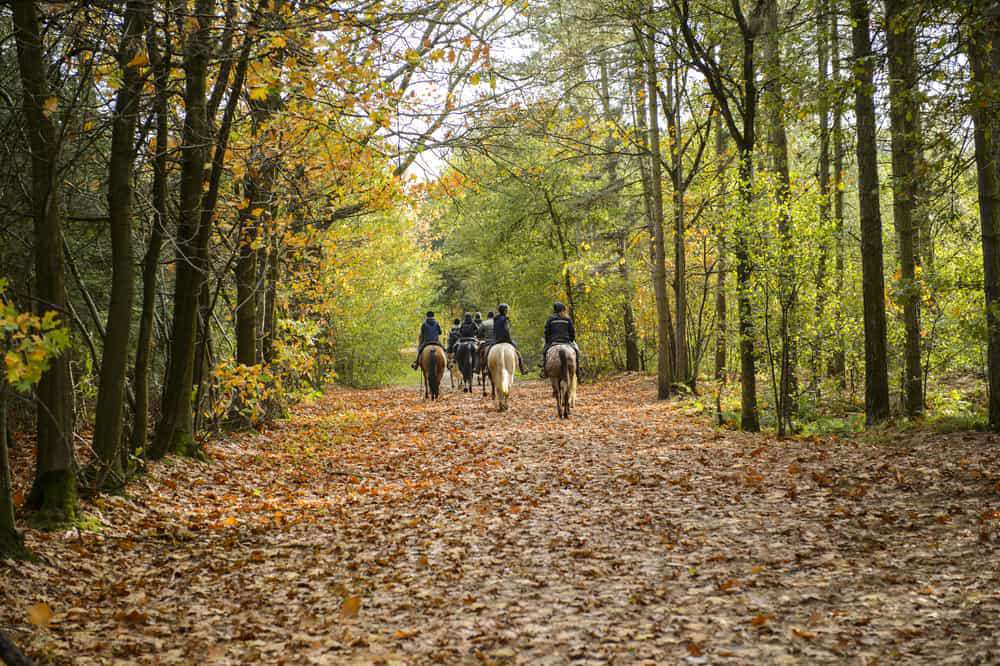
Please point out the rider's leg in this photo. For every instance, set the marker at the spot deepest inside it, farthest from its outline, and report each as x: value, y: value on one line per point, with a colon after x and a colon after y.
x: 545, y: 353
x: 520, y: 360
x: 416, y: 362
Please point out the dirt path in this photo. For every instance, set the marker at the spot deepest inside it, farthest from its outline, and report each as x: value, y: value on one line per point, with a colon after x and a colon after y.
x: 374, y: 528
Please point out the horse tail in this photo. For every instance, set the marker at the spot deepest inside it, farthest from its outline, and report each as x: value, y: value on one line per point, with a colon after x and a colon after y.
x: 563, y: 366
x: 432, y: 374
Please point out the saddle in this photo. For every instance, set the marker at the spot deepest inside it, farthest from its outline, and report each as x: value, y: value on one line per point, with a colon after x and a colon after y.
x: 467, y: 341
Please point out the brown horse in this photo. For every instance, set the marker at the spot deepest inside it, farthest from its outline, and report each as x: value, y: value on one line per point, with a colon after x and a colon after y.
x: 433, y: 363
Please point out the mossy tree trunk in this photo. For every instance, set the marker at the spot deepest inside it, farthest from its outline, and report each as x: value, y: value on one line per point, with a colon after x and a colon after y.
x: 53, y: 493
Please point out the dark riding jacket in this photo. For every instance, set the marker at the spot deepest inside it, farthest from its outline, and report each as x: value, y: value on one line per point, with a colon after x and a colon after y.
x: 501, y: 329
x: 469, y: 330
x: 559, y: 330
x: 430, y: 331
x: 453, y: 337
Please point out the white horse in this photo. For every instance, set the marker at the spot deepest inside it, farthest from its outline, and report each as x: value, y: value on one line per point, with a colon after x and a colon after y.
x: 560, y: 367
x: 502, y: 361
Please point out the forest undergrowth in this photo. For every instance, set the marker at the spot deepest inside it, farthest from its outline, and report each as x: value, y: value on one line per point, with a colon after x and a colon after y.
x: 373, y: 527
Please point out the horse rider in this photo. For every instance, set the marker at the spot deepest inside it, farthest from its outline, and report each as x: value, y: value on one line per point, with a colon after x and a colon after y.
x: 486, y: 338
x: 501, y: 333
x: 430, y: 334
x: 453, y: 335
x: 559, y: 330
x: 479, y: 324
x: 469, y: 329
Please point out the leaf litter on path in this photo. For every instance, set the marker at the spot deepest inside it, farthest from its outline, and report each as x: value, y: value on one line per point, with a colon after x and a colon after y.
x: 373, y: 527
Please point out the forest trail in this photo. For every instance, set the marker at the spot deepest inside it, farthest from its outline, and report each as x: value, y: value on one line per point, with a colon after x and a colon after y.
x: 373, y: 527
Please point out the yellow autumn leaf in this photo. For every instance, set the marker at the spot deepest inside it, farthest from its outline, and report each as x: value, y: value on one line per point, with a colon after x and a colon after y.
x: 278, y: 42
x: 350, y: 606
x: 230, y: 521
x: 50, y: 106
x: 138, y: 60
x: 258, y: 94
x: 40, y: 615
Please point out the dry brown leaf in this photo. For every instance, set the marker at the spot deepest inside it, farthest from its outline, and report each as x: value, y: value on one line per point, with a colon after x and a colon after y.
x: 40, y: 614
x: 350, y: 607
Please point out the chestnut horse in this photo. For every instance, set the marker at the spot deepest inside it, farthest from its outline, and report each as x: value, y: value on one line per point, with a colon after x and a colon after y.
x: 433, y: 363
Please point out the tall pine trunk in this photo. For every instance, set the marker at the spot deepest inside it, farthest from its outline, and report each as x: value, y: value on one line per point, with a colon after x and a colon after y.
x: 109, y: 414
x: 984, y: 54
x: 54, y: 489
x: 873, y: 279
x: 907, y: 183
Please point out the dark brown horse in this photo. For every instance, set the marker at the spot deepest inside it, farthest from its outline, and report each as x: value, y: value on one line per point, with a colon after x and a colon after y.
x: 433, y: 363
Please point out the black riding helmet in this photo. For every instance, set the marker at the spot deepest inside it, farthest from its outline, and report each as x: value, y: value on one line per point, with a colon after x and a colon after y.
x: 558, y: 307
x: 430, y: 315
x: 468, y: 316
x: 457, y: 321
x: 502, y: 308
x: 489, y: 315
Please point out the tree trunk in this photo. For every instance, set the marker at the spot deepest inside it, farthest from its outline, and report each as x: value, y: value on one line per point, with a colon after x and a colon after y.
x: 11, y: 543
x: 838, y: 360
x: 54, y: 489
x: 907, y: 183
x: 749, y: 418
x: 823, y: 180
x: 109, y: 415
x: 984, y: 54
x: 720, y: 263
x: 174, y: 433
x: 778, y: 149
x: 873, y: 280
x: 681, y: 370
x: 150, y: 263
x: 664, y: 339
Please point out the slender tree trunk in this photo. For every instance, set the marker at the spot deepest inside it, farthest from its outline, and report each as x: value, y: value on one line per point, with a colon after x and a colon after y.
x: 721, y: 140
x: 160, y: 62
x: 54, y: 488
x: 838, y: 361
x: 109, y: 415
x: 664, y: 341
x: 778, y: 149
x: 270, y: 303
x: 749, y: 418
x: 823, y: 179
x: 904, y: 99
x: 11, y: 542
x: 873, y: 279
x: 674, y: 129
x: 984, y: 54
x: 175, y: 432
